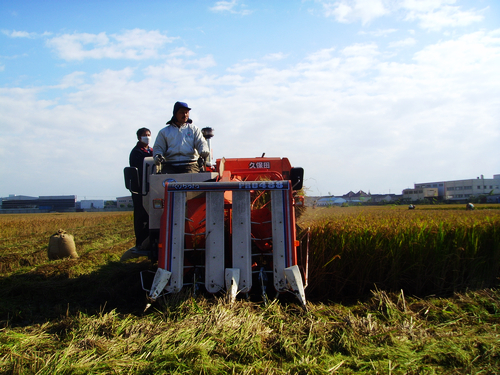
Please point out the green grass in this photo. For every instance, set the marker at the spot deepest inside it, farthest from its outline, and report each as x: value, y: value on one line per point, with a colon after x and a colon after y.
x: 386, y: 333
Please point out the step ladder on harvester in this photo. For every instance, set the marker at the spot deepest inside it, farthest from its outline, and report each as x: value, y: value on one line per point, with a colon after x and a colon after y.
x: 233, y: 266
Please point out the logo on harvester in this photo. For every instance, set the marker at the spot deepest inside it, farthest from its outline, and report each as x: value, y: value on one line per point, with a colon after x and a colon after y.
x: 181, y: 186
x: 266, y: 185
x: 259, y: 164
x: 241, y: 185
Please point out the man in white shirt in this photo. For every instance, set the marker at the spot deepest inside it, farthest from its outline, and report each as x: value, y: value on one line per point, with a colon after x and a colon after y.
x: 180, y: 144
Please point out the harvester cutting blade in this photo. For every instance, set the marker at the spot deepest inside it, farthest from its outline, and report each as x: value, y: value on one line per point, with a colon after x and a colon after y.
x: 161, y: 279
x: 295, y: 281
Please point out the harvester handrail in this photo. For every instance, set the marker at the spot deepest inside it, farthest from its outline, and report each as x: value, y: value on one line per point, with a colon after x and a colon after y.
x: 225, y: 186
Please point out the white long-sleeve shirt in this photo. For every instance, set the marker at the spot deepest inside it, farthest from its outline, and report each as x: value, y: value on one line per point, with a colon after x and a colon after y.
x: 183, y: 143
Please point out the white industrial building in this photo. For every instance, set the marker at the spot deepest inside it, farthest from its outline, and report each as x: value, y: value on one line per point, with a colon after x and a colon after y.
x: 458, y: 190
x: 124, y: 202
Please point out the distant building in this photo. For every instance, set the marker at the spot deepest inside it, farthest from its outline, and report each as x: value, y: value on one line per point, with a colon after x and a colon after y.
x: 90, y: 204
x: 57, y: 203
x: 384, y: 198
x: 330, y: 201
x: 124, y: 202
x: 352, y: 198
x: 358, y: 197
x: 420, y: 193
x: 43, y: 203
x: 456, y: 190
x: 19, y: 202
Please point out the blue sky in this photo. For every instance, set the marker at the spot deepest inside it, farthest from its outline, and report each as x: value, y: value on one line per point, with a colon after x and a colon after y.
x: 370, y: 95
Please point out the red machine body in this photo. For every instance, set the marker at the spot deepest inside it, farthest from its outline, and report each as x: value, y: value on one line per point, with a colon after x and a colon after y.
x: 232, y: 232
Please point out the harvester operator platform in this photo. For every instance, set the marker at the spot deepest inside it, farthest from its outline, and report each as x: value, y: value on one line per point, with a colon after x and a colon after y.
x: 180, y: 144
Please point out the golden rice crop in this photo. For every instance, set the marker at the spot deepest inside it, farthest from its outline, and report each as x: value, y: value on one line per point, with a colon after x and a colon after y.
x: 24, y: 237
x: 352, y: 250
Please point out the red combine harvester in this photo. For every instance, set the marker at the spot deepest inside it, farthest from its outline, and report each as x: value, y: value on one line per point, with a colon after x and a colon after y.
x: 229, y: 228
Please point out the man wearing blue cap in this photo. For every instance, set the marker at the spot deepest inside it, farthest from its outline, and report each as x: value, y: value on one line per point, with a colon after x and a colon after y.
x: 179, y: 145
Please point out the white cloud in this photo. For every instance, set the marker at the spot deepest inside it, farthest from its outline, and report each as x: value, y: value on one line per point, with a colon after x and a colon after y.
x: 181, y: 51
x: 378, y: 33
x: 403, y: 43
x: 245, y: 67
x: 203, y: 62
x: 131, y: 44
x: 17, y: 34
x: 75, y: 79
x: 24, y: 34
x: 471, y: 51
x: 347, y: 11
x: 233, y: 6
x: 432, y: 15
x: 275, y: 56
x: 424, y: 6
x: 370, y: 123
x: 321, y: 55
x: 447, y: 16
x: 361, y: 57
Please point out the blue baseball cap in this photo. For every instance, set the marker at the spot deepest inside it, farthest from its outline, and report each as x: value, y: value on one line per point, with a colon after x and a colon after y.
x: 179, y: 105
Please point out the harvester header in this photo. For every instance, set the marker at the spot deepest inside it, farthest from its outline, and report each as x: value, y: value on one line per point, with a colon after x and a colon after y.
x: 230, y: 228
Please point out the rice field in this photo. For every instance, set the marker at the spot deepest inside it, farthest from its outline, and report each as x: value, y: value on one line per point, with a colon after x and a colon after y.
x: 429, y: 250
x: 24, y: 237
x: 390, y: 291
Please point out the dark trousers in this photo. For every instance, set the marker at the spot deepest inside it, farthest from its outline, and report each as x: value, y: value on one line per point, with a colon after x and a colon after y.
x: 141, y: 220
x: 185, y: 168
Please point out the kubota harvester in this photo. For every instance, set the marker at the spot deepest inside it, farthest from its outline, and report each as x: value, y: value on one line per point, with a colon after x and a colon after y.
x: 230, y: 228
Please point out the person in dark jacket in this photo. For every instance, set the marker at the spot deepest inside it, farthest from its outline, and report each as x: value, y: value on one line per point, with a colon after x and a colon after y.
x: 137, y: 155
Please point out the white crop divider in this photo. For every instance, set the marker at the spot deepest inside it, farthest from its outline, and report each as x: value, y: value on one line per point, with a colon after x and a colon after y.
x: 242, y: 239
x: 294, y: 279
x: 175, y: 228
x: 161, y: 279
x: 214, y: 241
x: 279, y: 239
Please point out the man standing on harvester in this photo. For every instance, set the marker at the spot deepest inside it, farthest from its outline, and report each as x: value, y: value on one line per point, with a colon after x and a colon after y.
x: 180, y: 144
x: 136, y: 159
